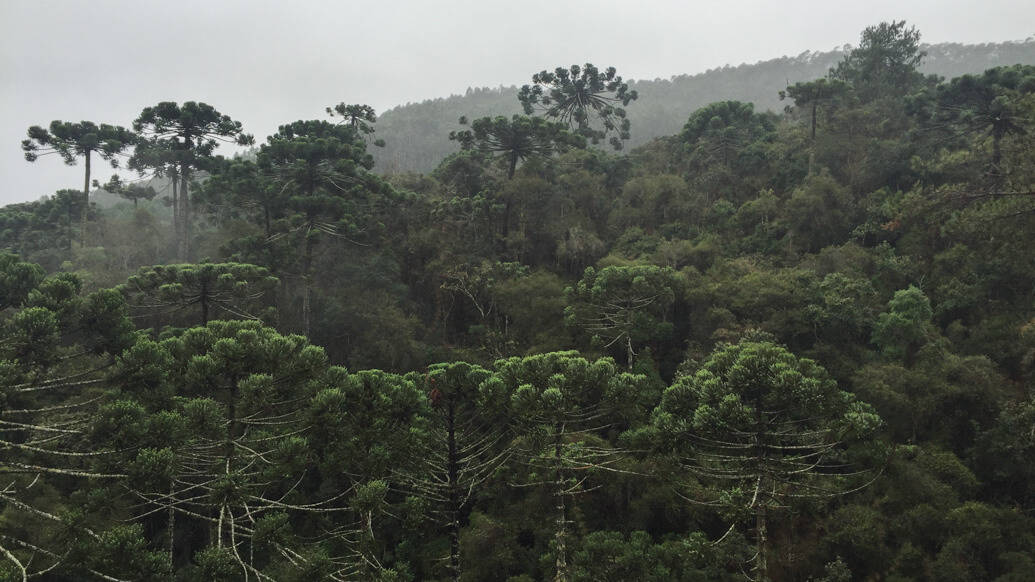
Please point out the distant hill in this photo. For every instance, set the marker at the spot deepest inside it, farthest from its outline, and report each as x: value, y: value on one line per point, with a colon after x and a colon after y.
x: 417, y: 134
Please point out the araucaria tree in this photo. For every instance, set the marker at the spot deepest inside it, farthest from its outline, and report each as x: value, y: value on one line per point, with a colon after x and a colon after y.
x: 54, y: 346
x: 464, y: 444
x: 212, y: 289
x: 623, y: 305
x: 760, y: 428
x: 992, y: 106
x: 590, y: 102
x: 213, y: 424
x: 563, y: 405
x: 516, y: 139
x: 183, y: 137
x: 357, y: 116
x: 78, y: 140
x: 321, y: 171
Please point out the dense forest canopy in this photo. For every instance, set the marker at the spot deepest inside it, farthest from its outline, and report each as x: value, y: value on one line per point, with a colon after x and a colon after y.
x: 790, y: 337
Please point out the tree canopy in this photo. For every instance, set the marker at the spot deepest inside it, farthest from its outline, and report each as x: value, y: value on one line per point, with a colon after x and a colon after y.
x: 589, y: 101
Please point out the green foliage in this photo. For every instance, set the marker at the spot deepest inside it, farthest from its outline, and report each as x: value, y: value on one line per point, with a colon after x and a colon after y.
x: 179, y: 140
x: 232, y: 288
x: 516, y: 139
x: 885, y: 62
x: 612, y: 556
x: 620, y: 306
x: 1004, y: 453
x: 73, y: 140
x: 589, y: 101
x: 358, y: 117
x: 766, y: 430
x: 995, y: 104
x: 235, y: 451
x: 723, y: 142
x: 905, y: 325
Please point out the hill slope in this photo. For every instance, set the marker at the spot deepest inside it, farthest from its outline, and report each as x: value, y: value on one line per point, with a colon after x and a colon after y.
x: 417, y: 133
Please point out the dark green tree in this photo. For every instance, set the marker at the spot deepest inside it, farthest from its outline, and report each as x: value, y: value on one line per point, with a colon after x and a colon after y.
x: 184, y: 137
x: 228, y: 289
x: 721, y: 142
x: 812, y: 96
x: 213, y: 423
x: 516, y: 139
x: 358, y: 117
x: 238, y: 189
x: 322, y: 171
x: 367, y: 432
x: 590, y: 102
x: 55, y: 344
x: 885, y: 62
x: 132, y: 192
x: 994, y: 105
x: 765, y: 428
x: 624, y: 305
x: 611, y: 556
x: 465, y: 445
x: 562, y: 406
x: 79, y: 140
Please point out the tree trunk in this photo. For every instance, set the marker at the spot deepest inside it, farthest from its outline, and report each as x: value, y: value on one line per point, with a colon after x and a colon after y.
x: 512, y: 167
x: 997, y: 158
x: 307, y: 282
x: 228, y: 457
x: 761, y: 564
x: 561, y: 533
x: 812, y: 142
x: 629, y: 351
x: 183, y: 244
x: 454, y: 494
x: 175, y: 180
x: 170, y: 526
x: 86, y: 203
x: 204, y: 303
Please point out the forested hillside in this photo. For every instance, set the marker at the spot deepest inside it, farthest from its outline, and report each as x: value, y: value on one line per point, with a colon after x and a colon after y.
x: 787, y: 345
x: 415, y: 133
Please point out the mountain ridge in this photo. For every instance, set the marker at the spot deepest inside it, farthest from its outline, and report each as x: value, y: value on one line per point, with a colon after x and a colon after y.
x: 417, y: 134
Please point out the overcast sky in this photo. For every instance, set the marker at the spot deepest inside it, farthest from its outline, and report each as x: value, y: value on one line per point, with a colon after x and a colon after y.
x: 269, y: 62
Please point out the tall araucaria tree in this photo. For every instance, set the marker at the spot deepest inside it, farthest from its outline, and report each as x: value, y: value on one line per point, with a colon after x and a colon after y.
x: 183, y: 138
x: 230, y: 290
x: 322, y: 172
x: 55, y: 344
x: 589, y: 101
x: 72, y: 141
x: 357, y: 116
x: 516, y: 139
x: 213, y: 435
x: 464, y: 444
x: 563, y: 406
x: 810, y: 96
x: 624, y: 305
x: 760, y: 429
x: 994, y: 105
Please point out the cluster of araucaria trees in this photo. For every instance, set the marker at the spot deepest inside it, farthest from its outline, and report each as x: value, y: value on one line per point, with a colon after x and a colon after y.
x: 228, y: 451
x: 805, y: 343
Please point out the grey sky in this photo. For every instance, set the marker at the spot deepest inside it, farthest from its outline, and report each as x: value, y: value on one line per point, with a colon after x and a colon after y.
x: 266, y: 63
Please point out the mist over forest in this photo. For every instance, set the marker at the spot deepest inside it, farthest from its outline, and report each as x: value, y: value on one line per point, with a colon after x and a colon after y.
x: 773, y: 322
x: 416, y: 133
